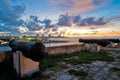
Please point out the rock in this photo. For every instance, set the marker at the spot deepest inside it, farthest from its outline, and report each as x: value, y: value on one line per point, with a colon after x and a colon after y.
x: 64, y: 77
x: 48, y: 72
x: 94, y: 48
x: 76, y: 78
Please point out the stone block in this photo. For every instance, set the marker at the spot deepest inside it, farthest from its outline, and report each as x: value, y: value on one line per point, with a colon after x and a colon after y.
x: 24, y: 67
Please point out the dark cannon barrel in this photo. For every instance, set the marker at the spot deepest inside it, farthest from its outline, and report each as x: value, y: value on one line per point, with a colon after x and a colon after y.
x: 102, y: 42
x: 97, y: 41
x: 113, y: 40
x: 33, y: 50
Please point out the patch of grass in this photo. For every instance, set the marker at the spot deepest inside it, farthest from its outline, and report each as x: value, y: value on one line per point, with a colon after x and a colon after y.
x: 40, y: 76
x: 52, y: 60
x: 59, y: 67
x: 114, y: 69
x: 78, y: 73
x: 87, y: 57
x: 83, y: 57
x: 102, y: 56
x: 118, y: 57
x: 118, y: 73
x: 76, y: 61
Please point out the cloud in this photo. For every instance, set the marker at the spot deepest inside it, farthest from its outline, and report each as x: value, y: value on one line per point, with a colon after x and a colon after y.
x: 9, y: 12
x: 22, y: 29
x: 48, y: 23
x: 34, y: 18
x: 10, y: 15
x: 33, y: 23
x: 77, y: 18
x: 77, y: 6
x: 66, y: 20
x: 90, y: 21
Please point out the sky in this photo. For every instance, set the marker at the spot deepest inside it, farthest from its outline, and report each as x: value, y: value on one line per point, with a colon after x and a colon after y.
x: 67, y: 17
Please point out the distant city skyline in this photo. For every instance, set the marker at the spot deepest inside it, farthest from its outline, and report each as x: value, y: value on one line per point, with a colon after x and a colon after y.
x: 60, y: 16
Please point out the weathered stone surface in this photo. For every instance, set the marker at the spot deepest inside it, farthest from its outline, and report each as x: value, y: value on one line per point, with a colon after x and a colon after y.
x: 46, y: 72
x: 64, y: 77
x: 94, y: 48
x: 64, y: 49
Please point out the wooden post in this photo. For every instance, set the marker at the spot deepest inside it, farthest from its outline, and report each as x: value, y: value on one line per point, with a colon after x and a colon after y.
x: 24, y: 67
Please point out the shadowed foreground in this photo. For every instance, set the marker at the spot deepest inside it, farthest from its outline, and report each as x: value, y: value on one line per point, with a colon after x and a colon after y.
x: 76, y: 66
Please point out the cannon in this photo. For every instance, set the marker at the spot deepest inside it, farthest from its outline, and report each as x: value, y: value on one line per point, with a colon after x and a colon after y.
x: 113, y: 40
x: 102, y: 42
x: 33, y: 50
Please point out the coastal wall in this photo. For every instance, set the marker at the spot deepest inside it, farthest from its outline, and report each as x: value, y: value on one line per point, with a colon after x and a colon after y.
x: 64, y: 49
x: 51, y: 50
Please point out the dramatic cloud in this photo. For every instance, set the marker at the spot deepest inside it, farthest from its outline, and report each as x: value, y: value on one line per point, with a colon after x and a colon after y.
x: 8, y: 12
x: 48, y: 23
x: 77, y: 19
x: 10, y: 15
x: 73, y: 6
x: 90, y: 21
x: 34, y: 18
x: 34, y: 23
x: 66, y: 20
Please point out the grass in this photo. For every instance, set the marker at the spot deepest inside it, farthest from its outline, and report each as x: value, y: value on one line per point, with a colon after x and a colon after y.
x: 39, y: 75
x: 82, y: 57
x: 114, y: 69
x: 82, y: 75
x: 85, y: 57
x: 59, y: 67
x: 77, y: 73
x: 118, y: 52
x: 53, y: 62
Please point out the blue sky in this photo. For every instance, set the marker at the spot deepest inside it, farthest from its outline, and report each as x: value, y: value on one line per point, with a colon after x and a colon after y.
x: 46, y: 13
x: 46, y: 8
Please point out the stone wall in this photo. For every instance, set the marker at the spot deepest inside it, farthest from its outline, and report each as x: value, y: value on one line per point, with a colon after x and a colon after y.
x: 64, y: 49
x: 50, y: 50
